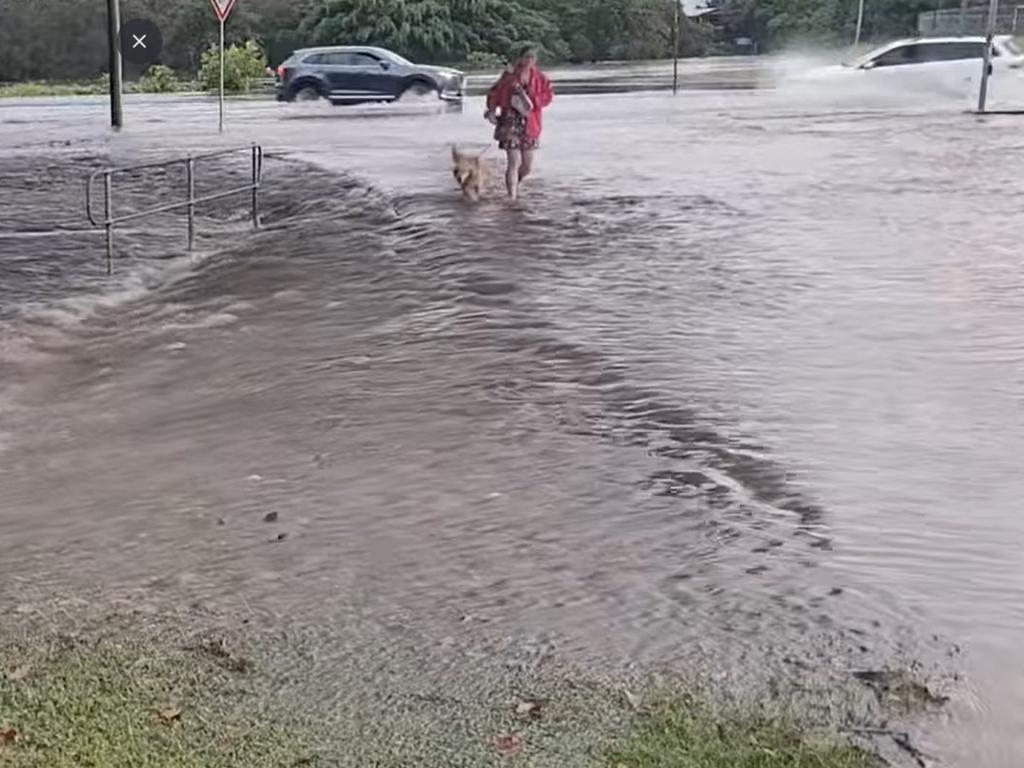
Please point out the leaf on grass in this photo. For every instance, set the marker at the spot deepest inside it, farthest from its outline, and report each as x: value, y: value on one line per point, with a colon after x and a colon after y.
x: 507, y: 744
x: 168, y: 716
x: 632, y: 699
x: 218, y: 648
x: 529, y: 708
x: 8, y: 735
x: 19, y: 673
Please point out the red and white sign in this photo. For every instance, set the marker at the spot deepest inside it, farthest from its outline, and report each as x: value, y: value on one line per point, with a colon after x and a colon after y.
x: 222, y: 8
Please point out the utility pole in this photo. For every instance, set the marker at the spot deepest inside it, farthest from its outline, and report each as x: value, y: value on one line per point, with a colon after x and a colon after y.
x: 860, y: 23
x: 114, y: 60
x: 675, y: 48
x: 990, y: 32
x: 963, y: 15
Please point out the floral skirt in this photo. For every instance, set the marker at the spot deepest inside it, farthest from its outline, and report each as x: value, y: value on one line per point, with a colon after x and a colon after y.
x: 510, y: 132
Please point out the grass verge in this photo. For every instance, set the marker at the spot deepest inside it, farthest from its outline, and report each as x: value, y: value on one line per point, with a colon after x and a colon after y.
x: 688, y: 734
x: 135, y: 704
x: 21, y: 90
x: 146, y: 703
x: 101, y: 88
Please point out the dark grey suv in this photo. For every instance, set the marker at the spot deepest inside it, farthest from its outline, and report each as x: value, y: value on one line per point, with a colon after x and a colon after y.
x: 349, y: 74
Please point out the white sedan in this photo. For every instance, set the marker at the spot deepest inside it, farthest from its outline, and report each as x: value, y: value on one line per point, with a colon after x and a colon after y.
x: 929, y: 63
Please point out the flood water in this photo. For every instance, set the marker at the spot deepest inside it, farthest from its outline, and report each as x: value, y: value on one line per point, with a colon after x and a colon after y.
x: 740, y: 378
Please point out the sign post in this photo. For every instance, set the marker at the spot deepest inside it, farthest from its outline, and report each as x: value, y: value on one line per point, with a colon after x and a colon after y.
x: 675, y: 48
x: 993, y: 12
x: 860, y: 23
x: 222, y: 8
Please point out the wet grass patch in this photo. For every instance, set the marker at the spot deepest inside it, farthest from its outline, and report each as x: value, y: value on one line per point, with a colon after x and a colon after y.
x: 686, y: 733
x: 67, y: 703
x: 180, y: 691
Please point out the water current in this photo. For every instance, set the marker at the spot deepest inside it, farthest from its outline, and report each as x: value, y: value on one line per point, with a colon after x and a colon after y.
x: 740, y: 378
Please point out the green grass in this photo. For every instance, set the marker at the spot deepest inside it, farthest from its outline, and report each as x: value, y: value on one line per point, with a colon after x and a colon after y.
x: 17, y: 90
x: 100, y: 87
x: 112, y: 705
x: 132, y: 702
x: 687, y: 734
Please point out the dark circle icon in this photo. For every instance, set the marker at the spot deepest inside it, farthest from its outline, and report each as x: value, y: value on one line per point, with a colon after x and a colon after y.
x: 140, y: 41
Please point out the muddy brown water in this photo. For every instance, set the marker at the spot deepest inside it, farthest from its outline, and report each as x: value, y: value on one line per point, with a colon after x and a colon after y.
x: 740, y: 380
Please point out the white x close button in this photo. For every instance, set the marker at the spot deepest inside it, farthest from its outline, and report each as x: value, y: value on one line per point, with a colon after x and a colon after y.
x: 140, y: 42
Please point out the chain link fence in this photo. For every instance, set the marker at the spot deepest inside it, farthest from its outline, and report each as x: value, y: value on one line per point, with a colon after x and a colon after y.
x: 973, y: 21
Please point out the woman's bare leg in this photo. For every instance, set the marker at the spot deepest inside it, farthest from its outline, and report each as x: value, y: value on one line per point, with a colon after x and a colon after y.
x: 527, y: 164
x: 513, y: 172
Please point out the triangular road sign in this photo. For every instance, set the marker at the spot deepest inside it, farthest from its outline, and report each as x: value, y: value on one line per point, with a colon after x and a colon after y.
x: 222, y: 8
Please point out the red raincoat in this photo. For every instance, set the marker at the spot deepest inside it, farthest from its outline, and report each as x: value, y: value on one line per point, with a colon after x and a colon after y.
x: 538, y: 88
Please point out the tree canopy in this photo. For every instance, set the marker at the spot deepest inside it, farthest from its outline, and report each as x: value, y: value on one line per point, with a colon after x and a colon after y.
x: 773, y: 23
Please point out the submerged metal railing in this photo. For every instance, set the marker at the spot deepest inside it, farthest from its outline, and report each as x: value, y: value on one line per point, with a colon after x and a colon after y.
x: 189, y: 204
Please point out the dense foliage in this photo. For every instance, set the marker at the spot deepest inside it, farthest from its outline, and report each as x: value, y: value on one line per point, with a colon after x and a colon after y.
x: 66, y: 39
x: 159, y: 79
x: 243, y: 65
x: 773, y: 23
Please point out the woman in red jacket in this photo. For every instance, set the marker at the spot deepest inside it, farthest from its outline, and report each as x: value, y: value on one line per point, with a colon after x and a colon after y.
x: 514, y: 105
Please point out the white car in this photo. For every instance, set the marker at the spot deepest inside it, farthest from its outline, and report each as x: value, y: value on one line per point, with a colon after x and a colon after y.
x: 933, y: 63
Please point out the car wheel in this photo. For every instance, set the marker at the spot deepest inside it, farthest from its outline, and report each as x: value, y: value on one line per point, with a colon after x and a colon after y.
x: 418, y: 90
x: 307, y: 93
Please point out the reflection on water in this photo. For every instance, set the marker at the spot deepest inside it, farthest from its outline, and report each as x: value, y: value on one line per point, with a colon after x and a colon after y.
x: 741, y: 375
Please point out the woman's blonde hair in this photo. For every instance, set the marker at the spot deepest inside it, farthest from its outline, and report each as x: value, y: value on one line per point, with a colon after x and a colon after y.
x: 526, y: 52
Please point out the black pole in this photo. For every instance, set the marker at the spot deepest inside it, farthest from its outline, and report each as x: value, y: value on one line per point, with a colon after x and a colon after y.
x: 986, y: 63
x: 675, y: 48
x: 113, y: 27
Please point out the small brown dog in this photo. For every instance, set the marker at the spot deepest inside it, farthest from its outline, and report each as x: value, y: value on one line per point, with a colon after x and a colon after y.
x: 470, y: 172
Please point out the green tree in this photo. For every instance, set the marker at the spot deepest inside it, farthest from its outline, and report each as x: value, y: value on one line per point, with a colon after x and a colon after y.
x: 597, y: 30
x: 430, y: 30
x: 190, y: 29
x: 276, y: 25
x: 775, y: 23
x: 499, y: 26
x: 46, y: 39
x: 421, y: 29
x: 243, y: 64
x: 159, y: 79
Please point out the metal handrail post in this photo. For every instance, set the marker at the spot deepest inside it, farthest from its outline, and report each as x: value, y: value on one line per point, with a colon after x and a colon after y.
x: 190, y: 165
x: 256, y: 162
x: 108, y: 221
